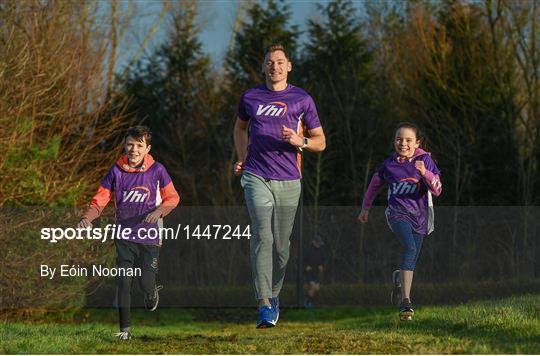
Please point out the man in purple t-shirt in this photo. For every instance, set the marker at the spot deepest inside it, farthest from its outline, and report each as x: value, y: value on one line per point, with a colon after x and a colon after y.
x: 282, y: 121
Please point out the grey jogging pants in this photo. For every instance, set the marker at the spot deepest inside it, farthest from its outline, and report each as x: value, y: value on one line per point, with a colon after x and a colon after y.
x: 272, y: 207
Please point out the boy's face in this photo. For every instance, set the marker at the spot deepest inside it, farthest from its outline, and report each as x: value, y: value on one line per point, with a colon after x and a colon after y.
x: 136, y: 150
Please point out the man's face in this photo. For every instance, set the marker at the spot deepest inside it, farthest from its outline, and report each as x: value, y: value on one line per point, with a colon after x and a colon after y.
x: 136, y: 150
x: 276, y: 67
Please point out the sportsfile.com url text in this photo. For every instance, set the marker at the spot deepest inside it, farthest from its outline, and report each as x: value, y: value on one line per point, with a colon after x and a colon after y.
x: 117, y: 232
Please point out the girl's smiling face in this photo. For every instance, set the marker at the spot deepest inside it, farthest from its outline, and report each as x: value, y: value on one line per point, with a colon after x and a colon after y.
x: 406, y: 142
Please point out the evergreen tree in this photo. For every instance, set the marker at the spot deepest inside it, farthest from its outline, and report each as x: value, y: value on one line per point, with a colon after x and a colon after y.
x: 266, y: 24
x: 175, y: 95
x: 338, y: 70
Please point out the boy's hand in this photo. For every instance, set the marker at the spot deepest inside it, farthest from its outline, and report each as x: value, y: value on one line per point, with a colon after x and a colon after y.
x: 153, y: 217
x: 291, y: 137
x: 84, y: 223
x: 238, y: 167
x: 420, y: 166
x: 363, y: 217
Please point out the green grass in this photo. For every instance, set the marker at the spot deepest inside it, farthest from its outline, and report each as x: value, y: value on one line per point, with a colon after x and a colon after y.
x: 504, y: 326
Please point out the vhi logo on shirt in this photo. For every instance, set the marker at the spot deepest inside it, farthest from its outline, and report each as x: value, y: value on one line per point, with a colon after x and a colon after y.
x: 275, y: 108
x: 404, y: 186
x: 135, y: 195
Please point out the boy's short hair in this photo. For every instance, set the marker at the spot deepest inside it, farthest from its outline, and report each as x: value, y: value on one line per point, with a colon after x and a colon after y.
x: 140, y: 133
x: 277, y: 47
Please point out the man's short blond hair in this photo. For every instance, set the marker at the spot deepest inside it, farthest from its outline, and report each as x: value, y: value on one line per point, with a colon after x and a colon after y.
x: 277, y: 47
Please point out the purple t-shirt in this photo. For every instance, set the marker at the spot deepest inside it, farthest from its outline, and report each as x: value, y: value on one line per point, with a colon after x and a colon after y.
x: 268, y: 155
x: 409, y: 198
x: 136, y: 194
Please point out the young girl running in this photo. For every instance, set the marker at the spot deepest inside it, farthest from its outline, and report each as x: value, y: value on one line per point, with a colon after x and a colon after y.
x: 412, y: 177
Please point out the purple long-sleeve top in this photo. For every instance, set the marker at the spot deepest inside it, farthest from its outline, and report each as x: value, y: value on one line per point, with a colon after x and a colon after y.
x: 409, y: 192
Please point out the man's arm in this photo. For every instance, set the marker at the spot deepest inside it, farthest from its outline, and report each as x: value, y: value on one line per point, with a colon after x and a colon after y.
x: 316, y: 141
x: 240, y: 143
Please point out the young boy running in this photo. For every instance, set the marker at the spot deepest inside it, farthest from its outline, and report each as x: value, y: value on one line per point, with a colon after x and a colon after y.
x: 143, y: 193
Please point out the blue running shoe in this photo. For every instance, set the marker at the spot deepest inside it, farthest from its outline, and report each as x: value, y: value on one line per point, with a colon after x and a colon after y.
x: 274, y: 302
x: 266, y: 317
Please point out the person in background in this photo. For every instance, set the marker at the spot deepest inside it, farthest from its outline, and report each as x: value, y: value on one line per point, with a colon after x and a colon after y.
x: 314, y: 260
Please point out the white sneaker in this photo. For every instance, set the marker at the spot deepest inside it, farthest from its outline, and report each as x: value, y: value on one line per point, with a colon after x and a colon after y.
x: 123, y: 335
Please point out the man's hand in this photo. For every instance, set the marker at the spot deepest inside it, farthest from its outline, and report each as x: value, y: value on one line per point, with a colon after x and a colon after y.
x: 238, y: 167
x: 153, y: 217
x: 291, y: 137
x: 84, y: 223
x: 363, y: 217
x: 421, y: 167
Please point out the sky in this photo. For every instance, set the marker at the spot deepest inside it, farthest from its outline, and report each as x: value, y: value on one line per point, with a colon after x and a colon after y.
x: 216, y: 19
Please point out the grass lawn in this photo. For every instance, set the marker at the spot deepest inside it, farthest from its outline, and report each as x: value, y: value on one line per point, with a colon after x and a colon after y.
x: 509, y: 325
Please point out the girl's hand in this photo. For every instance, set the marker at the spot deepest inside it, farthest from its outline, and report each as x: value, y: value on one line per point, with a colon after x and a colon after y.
x: 421, y: 167
x: 363, y: 217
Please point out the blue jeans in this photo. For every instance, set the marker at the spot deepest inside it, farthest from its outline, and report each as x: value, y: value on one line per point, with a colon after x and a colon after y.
x: 411, y: 241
